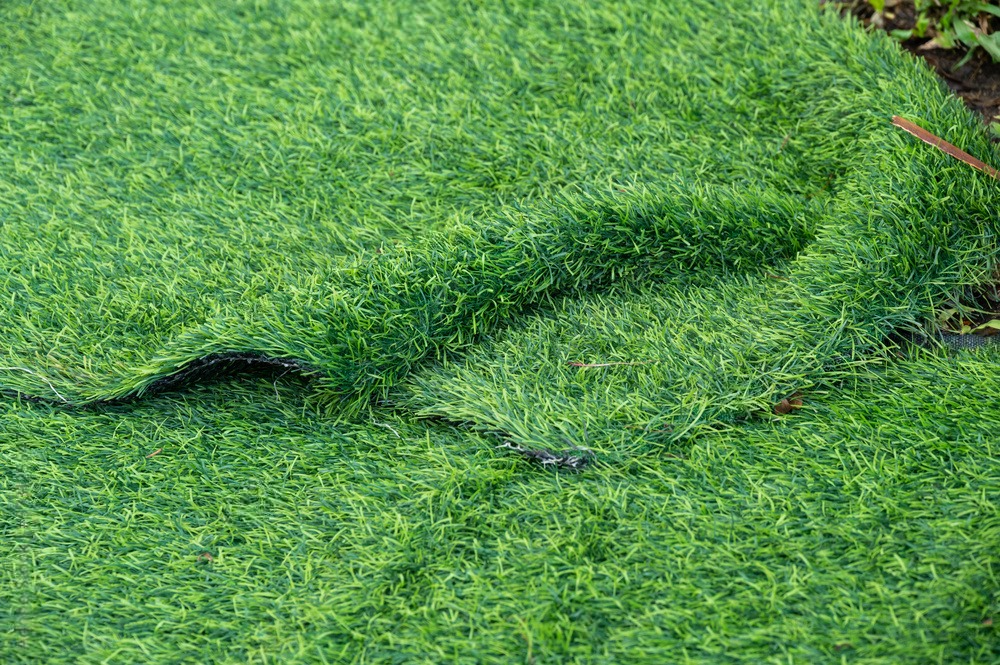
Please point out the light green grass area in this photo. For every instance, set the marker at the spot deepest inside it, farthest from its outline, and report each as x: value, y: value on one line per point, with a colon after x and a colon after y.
x: 438, y: 211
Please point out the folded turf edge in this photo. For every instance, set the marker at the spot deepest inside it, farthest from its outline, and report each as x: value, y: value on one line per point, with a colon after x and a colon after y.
x: 394, y: 311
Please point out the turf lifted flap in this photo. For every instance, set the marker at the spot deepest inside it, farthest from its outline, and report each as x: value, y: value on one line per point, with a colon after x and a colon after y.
x: 361, y: 219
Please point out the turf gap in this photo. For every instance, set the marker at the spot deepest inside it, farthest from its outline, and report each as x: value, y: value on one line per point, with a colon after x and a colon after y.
x: 574, y: 460
x: 175, y: 187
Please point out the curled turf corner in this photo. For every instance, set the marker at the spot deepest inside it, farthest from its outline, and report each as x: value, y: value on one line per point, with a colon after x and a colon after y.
x: 208, y: 369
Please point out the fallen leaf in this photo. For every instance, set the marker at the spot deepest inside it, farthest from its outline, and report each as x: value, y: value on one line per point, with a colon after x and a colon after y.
x: 991, y: 327
x: 787, y: 405
x: 945, y: 315
x: 205, y: 557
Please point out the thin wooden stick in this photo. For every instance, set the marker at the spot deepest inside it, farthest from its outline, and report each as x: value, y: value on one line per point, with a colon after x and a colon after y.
x: 944, y: 146
x: 647, y: 362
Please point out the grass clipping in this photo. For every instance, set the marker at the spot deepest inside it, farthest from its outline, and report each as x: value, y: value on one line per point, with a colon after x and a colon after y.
x: 630, y: 233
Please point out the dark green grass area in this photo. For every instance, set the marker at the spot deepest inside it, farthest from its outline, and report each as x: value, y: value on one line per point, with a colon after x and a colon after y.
x: 433, y: 210
x: 863, y: 530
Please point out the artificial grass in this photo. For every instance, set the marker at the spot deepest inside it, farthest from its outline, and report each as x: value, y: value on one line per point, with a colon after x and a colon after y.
x: 862, y: 530
x: 162, y: 262
x: 429, y: 211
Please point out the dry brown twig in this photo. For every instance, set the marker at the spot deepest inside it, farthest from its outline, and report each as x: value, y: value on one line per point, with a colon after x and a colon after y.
x: 944, y: 146
x: 621, y: 364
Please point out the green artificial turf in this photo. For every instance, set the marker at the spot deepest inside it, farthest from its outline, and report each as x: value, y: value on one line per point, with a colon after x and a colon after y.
x: 482, y: 233
x: 863, y: 530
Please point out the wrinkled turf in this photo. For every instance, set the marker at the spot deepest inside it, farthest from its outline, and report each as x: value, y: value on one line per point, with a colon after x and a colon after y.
x: 431, y: 211
x: 183, y: 198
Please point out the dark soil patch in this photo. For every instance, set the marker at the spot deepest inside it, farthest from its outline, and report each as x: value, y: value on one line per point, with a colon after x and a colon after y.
x: 977, y: 82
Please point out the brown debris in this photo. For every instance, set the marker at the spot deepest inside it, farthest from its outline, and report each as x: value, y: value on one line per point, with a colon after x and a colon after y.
x: 944, y: 146
x: 787, y: 405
